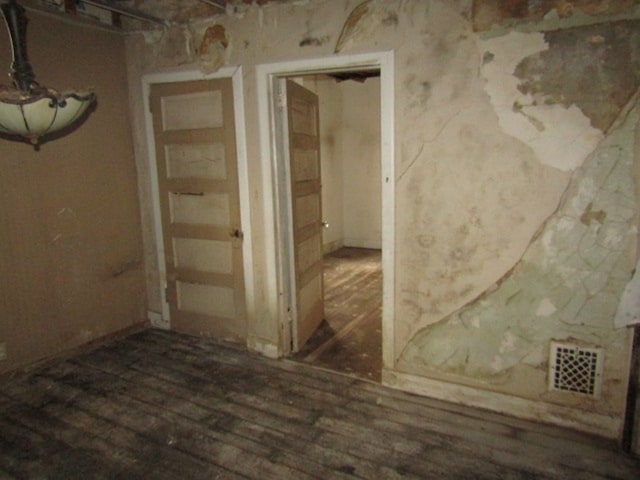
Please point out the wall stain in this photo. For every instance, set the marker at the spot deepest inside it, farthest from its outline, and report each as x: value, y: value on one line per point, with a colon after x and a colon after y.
x: 212, y: 49
x: 580, y: 271
x: 391, y: 20
x: 596, y: 68
x: 313, y: 41
x: 486, y: 13
x: 363, y: 20
x: 122, y: 268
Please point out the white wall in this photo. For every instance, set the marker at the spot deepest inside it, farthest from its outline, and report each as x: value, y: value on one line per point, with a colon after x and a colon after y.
x: 362, y: 199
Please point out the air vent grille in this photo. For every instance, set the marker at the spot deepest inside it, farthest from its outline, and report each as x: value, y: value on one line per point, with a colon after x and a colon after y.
x: 575, y: 369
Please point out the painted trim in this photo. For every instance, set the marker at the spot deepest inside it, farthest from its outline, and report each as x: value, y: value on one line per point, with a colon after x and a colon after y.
x: 157, y: 321
x: 235, y: 73
x: 388, y: 178
x: 566, y: 417
x: 276, y: 277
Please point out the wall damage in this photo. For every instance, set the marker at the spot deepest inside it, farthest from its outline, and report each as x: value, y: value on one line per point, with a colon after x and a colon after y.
x: 488, y: 13
x: 566, y: 287
x: 515, y: 197
x: 596, y: 68
x: 212, y: 49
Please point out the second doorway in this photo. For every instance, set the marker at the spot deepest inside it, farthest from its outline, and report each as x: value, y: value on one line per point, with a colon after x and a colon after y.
x: 349, y: 339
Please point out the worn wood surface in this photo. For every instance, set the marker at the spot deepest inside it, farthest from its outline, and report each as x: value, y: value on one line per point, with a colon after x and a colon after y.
x: 350, y: 338
x: 166, y: 405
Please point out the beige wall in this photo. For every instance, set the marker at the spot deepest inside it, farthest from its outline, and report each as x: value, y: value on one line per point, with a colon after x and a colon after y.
x: 350, y: 152
x: 516, y: 212
x: 71, y: 264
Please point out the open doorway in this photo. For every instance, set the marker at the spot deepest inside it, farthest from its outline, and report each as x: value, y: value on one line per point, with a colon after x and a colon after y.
x: 280, y: 287
x: 349, y: 338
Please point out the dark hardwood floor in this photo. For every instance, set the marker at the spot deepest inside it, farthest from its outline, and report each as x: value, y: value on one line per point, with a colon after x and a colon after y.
x: 349, y: 340
x: 160, y: 405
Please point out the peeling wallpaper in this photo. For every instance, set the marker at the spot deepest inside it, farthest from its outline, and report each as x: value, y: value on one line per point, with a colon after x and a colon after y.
x: 515, y: 214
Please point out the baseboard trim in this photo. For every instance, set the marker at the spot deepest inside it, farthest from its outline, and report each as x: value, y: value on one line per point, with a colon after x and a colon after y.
x: 158, y: 321
x: 588, y: 422
x: 264, y: 347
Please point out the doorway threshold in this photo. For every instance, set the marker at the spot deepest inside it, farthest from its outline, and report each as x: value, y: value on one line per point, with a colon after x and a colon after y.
x: 349, y: 339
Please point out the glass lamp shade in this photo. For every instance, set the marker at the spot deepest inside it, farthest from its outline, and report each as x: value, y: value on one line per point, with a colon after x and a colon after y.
x: 40, y: 111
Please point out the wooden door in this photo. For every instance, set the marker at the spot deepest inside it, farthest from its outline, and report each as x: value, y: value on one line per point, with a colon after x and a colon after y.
x: 194, y: 133
x: 303, y: 140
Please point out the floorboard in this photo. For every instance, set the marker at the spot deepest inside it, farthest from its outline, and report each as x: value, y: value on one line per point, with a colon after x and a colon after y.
x: 349, y: 340
x: 163, y: 405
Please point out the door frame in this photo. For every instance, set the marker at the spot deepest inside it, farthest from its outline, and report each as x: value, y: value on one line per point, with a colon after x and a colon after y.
x: 163, y: 320
x: 275, y: 188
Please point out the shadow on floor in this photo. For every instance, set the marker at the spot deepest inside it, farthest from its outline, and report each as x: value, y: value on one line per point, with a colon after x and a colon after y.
x: 349, y: 340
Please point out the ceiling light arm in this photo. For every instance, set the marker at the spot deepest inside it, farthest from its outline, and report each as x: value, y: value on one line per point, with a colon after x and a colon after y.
x: 21, y: 70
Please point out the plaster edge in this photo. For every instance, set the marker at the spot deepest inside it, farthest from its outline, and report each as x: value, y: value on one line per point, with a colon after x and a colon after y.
x: 587, y: 422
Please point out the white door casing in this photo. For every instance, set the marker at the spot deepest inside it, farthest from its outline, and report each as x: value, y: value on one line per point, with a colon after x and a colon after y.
x: 280, y: 289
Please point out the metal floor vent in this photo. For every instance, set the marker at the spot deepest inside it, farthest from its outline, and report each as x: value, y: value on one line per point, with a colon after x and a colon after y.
x: 575, y: 369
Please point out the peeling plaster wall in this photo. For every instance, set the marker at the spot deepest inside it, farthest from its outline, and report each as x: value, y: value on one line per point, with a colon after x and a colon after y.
x: 350, y: 156
x: 71, y: 262
x: 565, y: 288
x: 515, y: 213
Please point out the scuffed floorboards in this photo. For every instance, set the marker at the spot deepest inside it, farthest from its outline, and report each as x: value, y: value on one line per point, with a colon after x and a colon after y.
x: 160, y: 405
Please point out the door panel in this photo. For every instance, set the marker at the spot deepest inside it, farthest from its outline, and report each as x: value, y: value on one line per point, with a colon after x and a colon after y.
x: 198, y: 183
x: 303, y: 154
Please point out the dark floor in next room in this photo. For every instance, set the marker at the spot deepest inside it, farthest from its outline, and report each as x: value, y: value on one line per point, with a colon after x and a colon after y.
x: 349, y: 340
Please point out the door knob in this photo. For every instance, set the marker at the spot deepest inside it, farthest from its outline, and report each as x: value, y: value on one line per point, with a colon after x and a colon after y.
x: 325, y: 224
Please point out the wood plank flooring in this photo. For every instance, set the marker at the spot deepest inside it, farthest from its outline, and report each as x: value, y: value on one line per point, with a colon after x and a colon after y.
x: 350, y: 338
x: 161, y: 405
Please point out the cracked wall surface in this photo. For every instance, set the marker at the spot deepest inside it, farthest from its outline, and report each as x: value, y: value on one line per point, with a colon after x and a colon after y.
x: 498, y: 180
x: 566, y: 287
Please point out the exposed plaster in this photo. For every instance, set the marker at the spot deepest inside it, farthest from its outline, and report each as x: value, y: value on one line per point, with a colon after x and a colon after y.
x: 548, y: 15
x: 570, y: 136
x: 567, y: 285
x: 212, y: 52
x: 579, y: 68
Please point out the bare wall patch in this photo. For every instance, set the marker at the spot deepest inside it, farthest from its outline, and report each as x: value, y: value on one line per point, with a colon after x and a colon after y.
x: 212, y: 49
x: 596, y: 68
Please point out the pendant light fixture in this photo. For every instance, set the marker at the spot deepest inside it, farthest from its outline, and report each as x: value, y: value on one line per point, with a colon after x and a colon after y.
x: 27, y: 109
